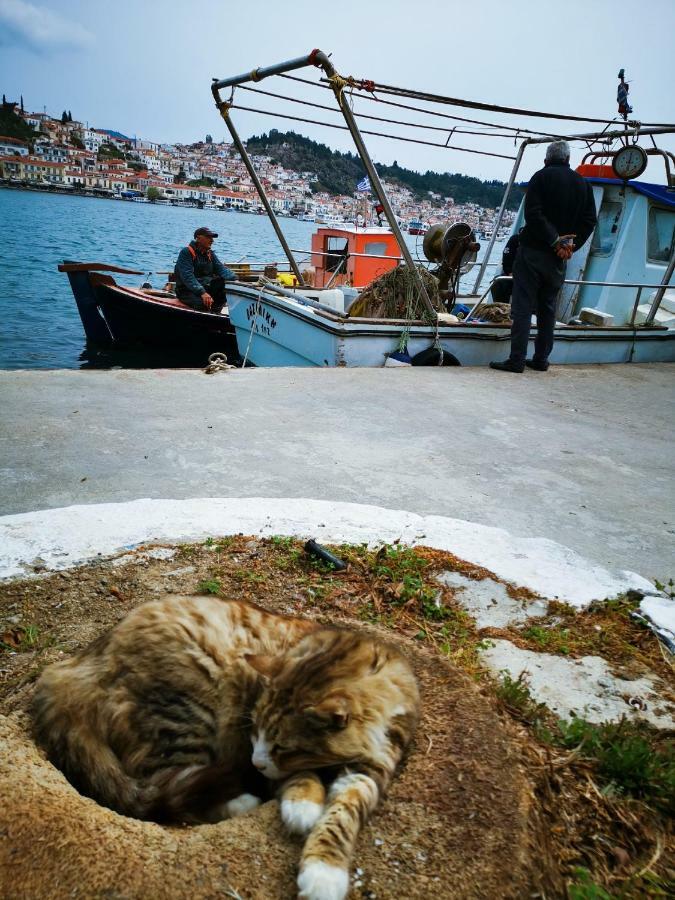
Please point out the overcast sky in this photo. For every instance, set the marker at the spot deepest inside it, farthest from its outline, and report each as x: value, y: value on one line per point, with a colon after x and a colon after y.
x: 145, y: 68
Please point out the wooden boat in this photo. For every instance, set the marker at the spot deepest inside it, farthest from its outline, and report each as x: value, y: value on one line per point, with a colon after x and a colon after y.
x: 116, y: 315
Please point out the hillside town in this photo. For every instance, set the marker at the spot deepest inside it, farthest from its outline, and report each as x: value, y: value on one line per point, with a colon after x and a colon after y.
x: 65, y: 155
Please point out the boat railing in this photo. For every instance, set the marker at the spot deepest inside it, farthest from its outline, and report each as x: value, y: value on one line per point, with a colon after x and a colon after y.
x: 659, y: 288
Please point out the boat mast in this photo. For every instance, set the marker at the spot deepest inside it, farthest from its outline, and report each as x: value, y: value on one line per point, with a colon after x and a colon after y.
x: 500, y: 214
x: 224, y: 109
x: 318, y: 58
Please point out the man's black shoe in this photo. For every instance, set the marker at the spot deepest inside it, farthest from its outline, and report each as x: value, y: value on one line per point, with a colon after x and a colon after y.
x: 536, y: 365
x: 507, y: 366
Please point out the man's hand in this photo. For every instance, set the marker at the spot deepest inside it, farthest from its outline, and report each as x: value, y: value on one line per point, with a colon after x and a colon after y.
x: 564, y: 247
x: 207, y: 300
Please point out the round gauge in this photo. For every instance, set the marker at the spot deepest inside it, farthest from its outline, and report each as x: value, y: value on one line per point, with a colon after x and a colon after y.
x: 629, y: 162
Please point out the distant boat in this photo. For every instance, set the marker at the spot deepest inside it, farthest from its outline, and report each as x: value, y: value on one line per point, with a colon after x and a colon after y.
x: 416, y: 226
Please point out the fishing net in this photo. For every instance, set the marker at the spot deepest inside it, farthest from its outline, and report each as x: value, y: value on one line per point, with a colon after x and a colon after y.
x: 394, y: 295
x: 499, y: 313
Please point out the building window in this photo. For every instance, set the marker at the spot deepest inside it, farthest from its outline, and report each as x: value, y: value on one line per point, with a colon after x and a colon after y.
x: 660, y: 234
x: 607, y: 229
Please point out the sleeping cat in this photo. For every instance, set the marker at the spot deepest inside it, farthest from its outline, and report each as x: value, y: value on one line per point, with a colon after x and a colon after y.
x: 156, y: 720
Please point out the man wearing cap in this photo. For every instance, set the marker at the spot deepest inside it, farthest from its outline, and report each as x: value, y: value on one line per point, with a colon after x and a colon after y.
x: 200, y: 275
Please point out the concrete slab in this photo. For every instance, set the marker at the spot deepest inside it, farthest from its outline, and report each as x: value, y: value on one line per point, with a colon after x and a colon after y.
x: 580, y: 455
x: 583, y: 687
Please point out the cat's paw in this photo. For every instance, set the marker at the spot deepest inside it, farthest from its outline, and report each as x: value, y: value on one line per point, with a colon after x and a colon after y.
x: 241, y: 805
x: 300, y: 816
x: 320, y: 881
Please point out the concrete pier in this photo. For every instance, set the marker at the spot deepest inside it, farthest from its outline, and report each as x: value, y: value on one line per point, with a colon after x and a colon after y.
x: 580, y: 455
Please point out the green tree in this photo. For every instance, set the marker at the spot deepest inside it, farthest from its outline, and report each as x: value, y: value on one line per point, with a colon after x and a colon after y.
x: 64, y: 117
x: 153, y: 194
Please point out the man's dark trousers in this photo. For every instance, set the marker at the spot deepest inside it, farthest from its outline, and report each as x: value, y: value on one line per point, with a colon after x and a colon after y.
x: 215, y: 287
x: 538, y: 276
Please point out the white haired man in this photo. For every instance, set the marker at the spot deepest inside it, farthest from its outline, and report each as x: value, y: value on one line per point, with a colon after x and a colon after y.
x: 559, y: 218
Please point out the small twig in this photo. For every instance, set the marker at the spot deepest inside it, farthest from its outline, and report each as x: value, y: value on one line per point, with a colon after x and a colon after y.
x: 652, y: 862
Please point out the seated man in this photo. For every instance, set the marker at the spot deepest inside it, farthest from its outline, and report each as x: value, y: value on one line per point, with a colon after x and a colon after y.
x: 200, y: 275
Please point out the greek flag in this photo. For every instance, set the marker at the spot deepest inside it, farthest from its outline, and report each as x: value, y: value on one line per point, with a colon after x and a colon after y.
x: 363, y: 185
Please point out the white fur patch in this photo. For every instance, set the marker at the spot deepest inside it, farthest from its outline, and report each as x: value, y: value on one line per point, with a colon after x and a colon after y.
x: 241, y: 805
x: 261, y: 758
x: 320, y: 881
x: 300, y: 816
x: 354, y: 780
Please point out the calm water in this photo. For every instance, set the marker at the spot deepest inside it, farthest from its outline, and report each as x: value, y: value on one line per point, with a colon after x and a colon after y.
x: 40, y: 327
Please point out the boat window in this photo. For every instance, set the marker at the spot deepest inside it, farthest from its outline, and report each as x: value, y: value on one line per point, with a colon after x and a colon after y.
x: 660, y: 234
x: 336, y: 248
x: 607, y: 229
x: 376, y: 248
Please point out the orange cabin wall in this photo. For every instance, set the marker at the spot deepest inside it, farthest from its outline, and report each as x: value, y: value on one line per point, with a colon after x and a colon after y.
x: 590, y: 170
x: 360, y: 270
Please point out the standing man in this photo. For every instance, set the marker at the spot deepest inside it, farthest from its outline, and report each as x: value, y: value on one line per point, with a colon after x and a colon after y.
x: 200, y: 275
x: 559, y: 219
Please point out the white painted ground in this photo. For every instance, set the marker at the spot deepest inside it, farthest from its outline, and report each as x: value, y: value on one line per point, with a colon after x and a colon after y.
x: 59, y: 538
x: 583, y: 687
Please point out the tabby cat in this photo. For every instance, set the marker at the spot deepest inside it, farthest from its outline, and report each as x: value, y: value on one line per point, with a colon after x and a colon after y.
x: 156, y: 720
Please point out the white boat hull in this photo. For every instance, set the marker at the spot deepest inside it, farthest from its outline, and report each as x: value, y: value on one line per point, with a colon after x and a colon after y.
x: 275, y: 330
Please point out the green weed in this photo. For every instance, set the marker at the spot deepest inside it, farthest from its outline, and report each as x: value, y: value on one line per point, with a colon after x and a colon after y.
x: 584, y: 888
x: 211, y: 586
x: 281, y: 541
x: 668, y: 588
x: 629, y: 758
x: 554, y: 639
x: 21, y: 639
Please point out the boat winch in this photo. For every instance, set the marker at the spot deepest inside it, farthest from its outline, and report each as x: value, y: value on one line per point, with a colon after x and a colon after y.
x: 455, y: 248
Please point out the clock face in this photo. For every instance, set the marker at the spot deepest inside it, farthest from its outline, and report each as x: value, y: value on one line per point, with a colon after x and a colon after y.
x: 629, y: 162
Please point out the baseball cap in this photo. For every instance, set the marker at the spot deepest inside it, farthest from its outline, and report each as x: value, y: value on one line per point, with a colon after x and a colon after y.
x: 206, y: 232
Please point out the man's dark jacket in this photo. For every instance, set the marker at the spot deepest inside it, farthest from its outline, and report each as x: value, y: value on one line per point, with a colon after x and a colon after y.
x: 194, y: 273
x: 558, y: 201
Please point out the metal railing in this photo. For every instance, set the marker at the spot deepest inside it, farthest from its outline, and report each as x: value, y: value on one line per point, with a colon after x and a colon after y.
x: 660, y: 288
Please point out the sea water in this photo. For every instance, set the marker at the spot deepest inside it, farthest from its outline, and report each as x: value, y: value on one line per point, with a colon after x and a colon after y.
x: 40, y: 327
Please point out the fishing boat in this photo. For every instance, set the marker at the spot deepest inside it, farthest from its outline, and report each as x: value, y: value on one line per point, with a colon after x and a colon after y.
x: 115, y: 315
x: 416, y: 226
x: 617, y: 303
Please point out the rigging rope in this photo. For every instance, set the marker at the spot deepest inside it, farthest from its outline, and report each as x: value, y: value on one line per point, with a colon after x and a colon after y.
x: 468, y: 104
x: 366, y: 96
x: 393, y: 137
x: 257, y: 90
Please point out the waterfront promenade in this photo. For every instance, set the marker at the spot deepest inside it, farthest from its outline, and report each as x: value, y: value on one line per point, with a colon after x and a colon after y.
x: 581, y: 455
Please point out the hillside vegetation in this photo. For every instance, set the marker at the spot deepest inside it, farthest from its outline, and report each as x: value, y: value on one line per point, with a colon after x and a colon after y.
x: 339, y: 173
x: 14, y: 126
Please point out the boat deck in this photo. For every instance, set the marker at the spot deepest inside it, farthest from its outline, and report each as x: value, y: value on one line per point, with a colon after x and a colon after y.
x: 581, y: 455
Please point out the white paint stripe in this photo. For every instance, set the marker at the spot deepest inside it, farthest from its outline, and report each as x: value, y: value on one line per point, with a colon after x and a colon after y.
x: 72, y: 535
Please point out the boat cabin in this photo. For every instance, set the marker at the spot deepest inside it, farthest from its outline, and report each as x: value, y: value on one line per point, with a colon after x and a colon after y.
x: 352, y: 255
x: 632, y: 244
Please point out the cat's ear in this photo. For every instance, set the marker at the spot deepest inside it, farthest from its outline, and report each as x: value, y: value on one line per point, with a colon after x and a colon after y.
x: 331, y: 712
x: 267, y: 666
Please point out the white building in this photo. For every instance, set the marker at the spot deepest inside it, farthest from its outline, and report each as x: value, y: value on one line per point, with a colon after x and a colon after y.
x: 10, y: 146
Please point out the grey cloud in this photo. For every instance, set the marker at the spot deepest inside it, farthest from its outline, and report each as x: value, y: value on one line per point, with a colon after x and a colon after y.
x: 34, y: 27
